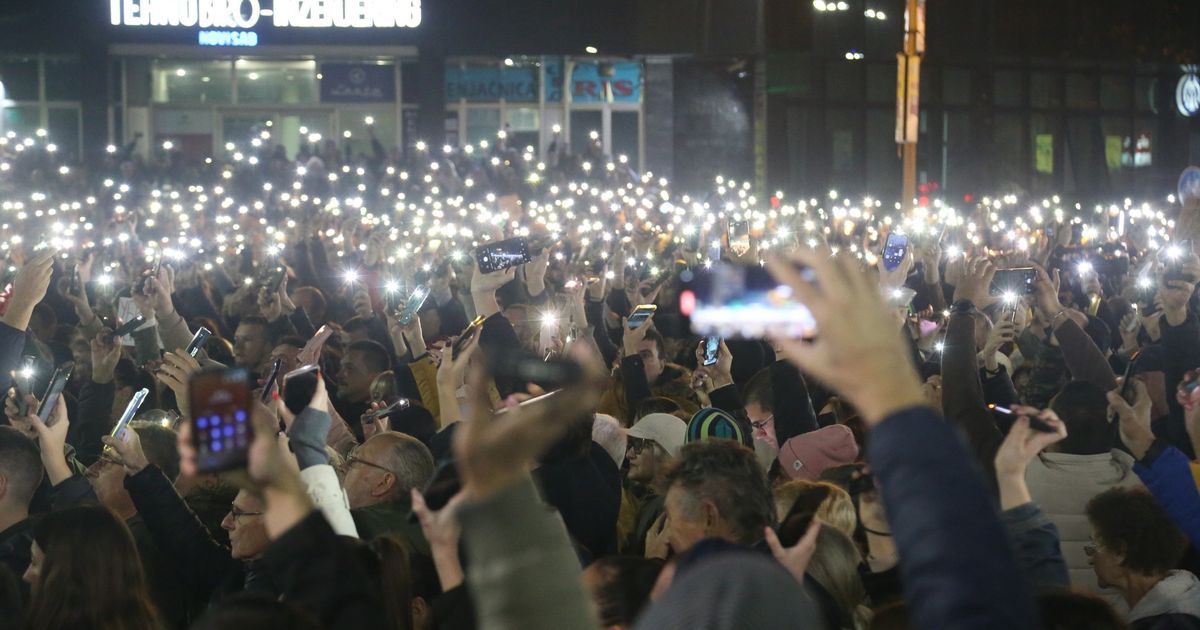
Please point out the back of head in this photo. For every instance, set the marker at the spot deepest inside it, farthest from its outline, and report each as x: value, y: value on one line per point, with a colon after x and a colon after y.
x: 732, y: 590
x: 1083, y: 407
x: 712, y: 423
x: 822, y: 499
x: 387, y: 563
x: 1130, y: 521
x: 1062, y: 609
x: 21, y: 466
x: 406, y: 457
x: 620, y: 586
x: 374, y: 355
x: 761, y: 391
x: 655, y: 404
x: 90, y: 575
x: 834, y: 566
x: 728, y: 475
x: 161, y: 446
x: 575, y: 443
x: 255, y: 611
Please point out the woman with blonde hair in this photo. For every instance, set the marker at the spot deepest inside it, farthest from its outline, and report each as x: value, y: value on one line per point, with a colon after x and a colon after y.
x: 826, y: 501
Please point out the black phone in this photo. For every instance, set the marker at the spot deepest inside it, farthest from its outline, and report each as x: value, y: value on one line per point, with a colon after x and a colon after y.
x: 442, y: 487
x: 76, y: 286
x: 222, y: 428
x: 198, y: 341
x: 549, y: 374
x: 275, y: 278
x: 269, y: 384
x: 471, y: 330
x: 1034, y: 423
x: 894, y: 250
x: 501, y: 255
x: 299, y: 385
x: 395, y: 407
x: 1017, y: 281
x: 144, y: 285
x: 23, y: 380
x: 640, y: 315
x: 1173, y: 269
x: 125, y: 329
x: 712, y: 349
x: 58, y: 382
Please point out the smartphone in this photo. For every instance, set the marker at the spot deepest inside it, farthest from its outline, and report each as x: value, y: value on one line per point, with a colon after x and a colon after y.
x: 398, y: 405
x: 413, y: 306
x: 712, y: 349
x: 1134, y: 322
x: 501, y: 255
x: 150, y: 273
x: 76, y: 286
x: 311, y: 352
x: 131, y: 410
x: 549, y: 374
x: 442, y: 487
x: 1034, y: 423
x: 640, y: 314
x: 894, y: 251
x: 471, y: 330
x: 299, y: 385
x: 125, y: 329
x: 743, y: 302
x: 57, y: 383
x: 739, y: 237
x: 198, y: 340
x: 222, y: 429
x: 1017, y: 281
x: 273, y: 277
x: 1173, y: 269
x: 269, y: 384
x: 23, y: 380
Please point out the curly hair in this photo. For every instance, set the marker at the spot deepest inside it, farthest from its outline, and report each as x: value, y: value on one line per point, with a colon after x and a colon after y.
x: 727, y: 474
x: 1130, y: 521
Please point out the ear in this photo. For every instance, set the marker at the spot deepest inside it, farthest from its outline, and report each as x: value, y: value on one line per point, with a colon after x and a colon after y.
x: 710, y: 515
x: 420, y: 609
x: 385, y: 485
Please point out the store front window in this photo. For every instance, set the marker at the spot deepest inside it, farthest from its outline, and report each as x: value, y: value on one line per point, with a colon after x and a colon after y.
x: 192, y: 82
x: 283, y: 82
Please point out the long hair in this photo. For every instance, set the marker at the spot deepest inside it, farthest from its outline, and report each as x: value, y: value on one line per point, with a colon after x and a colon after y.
x: 835, y: 567
x: 387, y: 564
x: 91, y: 576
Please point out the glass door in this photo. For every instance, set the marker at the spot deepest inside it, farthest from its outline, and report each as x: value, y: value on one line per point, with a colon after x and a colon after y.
x: 291, y: 128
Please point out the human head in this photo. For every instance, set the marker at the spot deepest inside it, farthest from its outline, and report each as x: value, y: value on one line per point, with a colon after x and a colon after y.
x: 355, y: 329
x: 620, y: 587
x: 717, y: 489
x: 1083, y: 408
x: 250, y: 343
x: 807, y: 455
x: 656, y: 404
x: 829, y: 503
x: 652, y: 351
x: 363, y: 361
x: 711, y: 423
x: 385, y: 468
x: 244, y: 522
x: 81, y: 354
x: 287, y: 348
x: 654, y: 442
x: 760, y: 407
x: 834, y: 566
x: 107, y: 476
x: 85, y: 572
x: 312, y: 301
x: 43, y: 322
x: 1132, y: 536
x: 246, y: 611
x: 20, y: 474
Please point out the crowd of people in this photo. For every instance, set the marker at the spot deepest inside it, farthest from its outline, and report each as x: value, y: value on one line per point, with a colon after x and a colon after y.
x: 936, y: 455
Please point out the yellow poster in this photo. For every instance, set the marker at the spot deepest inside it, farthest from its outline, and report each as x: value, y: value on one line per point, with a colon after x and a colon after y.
x: 1112, y: 152
x: 1043, y: 146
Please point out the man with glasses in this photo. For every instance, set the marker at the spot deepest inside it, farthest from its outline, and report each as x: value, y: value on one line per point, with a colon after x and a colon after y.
x: 654, y: 442
x: 379, y: 476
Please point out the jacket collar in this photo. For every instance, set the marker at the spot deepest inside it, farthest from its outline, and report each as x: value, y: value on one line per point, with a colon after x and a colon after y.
x: 1177, y: 594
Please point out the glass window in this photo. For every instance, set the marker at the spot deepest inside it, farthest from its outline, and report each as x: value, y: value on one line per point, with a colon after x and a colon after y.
x: 1142, y: 142
x: 63, y: 77
x: 482, y: 124
x: 521, y: 123
x: 583, y: 123
x: 956, y: 86
x: 1008, y: 138
x: 1116, y: 139
x: 1044, y: 134
x: 1114, y: 92
x: 883, y: 166
x: 1010, y: 89
x: 844, y: 148
x: 450, y: 124
x: 625, y: 137
x: 23, y: 119
x: 63, y: 125
x: 20, y: 78
x: 382, y: 124
x: 960, y: 154
x: 297, y: 129
x: 845, y: 81
x: 192, y: 82
x: 1045, y: 90
x: 1080, y: 90
x: 1143, y: 93
x: 286, y: 82
x: 521, y: 84
x: 881, y: 83
x: 410, y: 81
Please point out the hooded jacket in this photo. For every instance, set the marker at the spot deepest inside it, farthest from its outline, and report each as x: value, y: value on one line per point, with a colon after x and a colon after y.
x: 1062, y: 484
x: 1173, y: 604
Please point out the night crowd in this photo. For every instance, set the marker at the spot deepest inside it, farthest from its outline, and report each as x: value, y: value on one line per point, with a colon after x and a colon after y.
x: 936, y: 455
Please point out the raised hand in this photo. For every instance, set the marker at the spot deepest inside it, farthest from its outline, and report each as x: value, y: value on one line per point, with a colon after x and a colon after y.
x: 1134, y: 418
x: 976, y: 283
x: 796, y: 558
x: 105, y: 356
x: 1020, y: 446
x: 28, y: 288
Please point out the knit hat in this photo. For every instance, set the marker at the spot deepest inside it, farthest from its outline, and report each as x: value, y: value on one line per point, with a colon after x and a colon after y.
x: 806, y: 456
x: 664, y: 429
x: 709, y: 423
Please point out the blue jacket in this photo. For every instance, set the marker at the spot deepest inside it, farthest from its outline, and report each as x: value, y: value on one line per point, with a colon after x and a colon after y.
x: 956, y: 561
x: 1035, y: 539
x: 1166, y: 472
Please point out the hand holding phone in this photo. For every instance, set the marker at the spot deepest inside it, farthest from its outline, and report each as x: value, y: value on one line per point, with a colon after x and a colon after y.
x: 125, y: 329
x: 413, y: 306
x: 472, y: 329
x: 501, y: 255
x: 640, y: 315
x: 222, y: 428
x: 58, y: 382
x: 131, y: 410
x: 299, y: 386
x: 311, y: 352
x: 1015, y: 282
x: 894, y: 251
x: 712, y: 351
x: 198, y: 341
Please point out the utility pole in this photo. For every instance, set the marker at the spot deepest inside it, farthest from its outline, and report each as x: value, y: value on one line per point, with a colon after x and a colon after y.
x: 908, y: 96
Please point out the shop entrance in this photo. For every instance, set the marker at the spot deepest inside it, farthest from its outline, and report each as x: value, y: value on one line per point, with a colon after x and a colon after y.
x: 289, y: 127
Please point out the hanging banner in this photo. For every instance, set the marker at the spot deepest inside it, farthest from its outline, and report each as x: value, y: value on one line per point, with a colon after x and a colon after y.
x: 357, y: 83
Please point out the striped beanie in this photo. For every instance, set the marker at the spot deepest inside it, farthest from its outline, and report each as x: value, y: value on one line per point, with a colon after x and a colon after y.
x: 710, y: 423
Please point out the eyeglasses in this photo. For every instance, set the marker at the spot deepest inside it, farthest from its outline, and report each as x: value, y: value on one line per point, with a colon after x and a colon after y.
x: 762, y: 424
x: 236, y: 513
x: 352, y: 458
x: 637, y: 445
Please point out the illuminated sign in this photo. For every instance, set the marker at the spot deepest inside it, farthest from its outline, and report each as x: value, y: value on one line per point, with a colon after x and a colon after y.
x: 1187, y: 95
x: 227, y: 38
x: 246, y: 14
